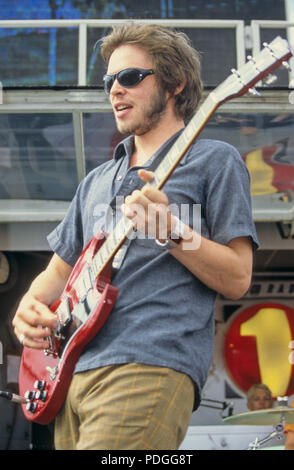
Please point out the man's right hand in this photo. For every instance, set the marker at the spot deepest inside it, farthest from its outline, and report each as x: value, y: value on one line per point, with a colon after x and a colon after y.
x: 33, y: 320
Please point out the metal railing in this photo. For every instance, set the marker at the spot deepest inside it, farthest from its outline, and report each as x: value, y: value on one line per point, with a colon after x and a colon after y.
x: 254, y: 30
x: 83, y: 25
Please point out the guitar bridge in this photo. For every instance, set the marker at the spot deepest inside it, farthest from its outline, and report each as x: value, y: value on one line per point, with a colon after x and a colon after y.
x: 53, y: 347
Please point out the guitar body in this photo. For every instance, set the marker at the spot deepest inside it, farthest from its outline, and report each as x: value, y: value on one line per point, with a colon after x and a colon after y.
x: 45, y: 376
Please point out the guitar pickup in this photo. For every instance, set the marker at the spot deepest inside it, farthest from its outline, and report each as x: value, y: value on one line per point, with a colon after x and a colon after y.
x: 65, y: 317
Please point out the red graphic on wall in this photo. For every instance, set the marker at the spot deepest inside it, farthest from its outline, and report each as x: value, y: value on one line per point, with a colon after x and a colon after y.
x: 257, y: 348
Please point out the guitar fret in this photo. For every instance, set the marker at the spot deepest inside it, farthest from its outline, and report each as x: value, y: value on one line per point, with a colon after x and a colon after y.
x: 84, y: 283
x: 166, y: 165
x: 95, y: 264
x: 80, y: 286
x: 91, y: 275
x: 101, y: 255
x: 87, y: 280
x: 160, y: 172
x: 115, y: 237
x: 111, y: 244
x: 185, y: 139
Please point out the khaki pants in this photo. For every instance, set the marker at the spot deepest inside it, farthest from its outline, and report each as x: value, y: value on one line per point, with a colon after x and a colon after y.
x: 130, y: 406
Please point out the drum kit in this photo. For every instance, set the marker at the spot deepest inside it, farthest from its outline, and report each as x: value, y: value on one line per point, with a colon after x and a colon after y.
x: 278, y: 417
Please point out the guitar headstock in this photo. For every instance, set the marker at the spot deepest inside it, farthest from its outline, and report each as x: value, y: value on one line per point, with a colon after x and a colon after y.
x: 273, y: 55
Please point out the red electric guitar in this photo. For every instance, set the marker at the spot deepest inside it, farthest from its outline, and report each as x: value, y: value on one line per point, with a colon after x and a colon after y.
x: 88, y: 297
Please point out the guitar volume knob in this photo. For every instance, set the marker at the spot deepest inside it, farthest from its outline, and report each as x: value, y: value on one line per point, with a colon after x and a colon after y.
x: 40, y: 384
x: 41, y: 395
x: 32, y: 406
x: 30, y: 395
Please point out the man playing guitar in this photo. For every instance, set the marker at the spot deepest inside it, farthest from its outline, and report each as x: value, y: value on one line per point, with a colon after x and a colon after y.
x: 137, y: 382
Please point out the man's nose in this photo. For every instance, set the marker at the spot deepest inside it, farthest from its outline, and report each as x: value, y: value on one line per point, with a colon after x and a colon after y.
x: 116, y: 87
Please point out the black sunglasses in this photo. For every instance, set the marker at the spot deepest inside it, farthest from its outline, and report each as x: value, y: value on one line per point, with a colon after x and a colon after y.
x: 126, y: 78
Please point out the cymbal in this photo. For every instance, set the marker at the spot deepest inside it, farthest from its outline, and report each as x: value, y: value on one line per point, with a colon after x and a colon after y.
x: 263, y: 417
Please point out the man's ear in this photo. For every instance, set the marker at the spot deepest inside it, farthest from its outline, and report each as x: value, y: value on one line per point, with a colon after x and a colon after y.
x: 180, y: 88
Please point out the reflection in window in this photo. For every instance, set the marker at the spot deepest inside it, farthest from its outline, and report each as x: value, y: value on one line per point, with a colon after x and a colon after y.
x: 37, y: 156
x: 100, y: 138
x: 265, y: 141
x: 266, y: 144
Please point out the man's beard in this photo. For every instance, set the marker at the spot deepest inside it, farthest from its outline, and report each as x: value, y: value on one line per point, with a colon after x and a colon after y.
x: 150, y: 117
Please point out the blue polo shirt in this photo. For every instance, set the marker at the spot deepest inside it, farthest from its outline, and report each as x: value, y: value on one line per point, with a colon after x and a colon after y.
x: 163, y: 314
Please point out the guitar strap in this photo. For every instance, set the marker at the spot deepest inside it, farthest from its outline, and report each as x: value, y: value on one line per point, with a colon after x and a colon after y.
x: 120, y: 255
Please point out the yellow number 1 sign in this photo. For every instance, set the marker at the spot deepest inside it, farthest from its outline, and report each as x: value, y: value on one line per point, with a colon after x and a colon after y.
x: 257, y: 348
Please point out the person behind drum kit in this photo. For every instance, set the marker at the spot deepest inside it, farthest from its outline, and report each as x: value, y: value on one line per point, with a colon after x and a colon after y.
x: 259, y: 397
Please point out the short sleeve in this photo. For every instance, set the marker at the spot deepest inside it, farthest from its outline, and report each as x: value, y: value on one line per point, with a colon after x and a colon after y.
x: 228, y: 208
x: 66, y: 240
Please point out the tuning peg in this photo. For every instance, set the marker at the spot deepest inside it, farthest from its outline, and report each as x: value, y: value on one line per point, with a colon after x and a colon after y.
x: 270, y: 79
x: 254, y: 92
x: 253, y: 62
x: 235, y: 72
x: 286, y: 66
x: 284, y: 63
x: 267, y: 46
x: 251, y: 59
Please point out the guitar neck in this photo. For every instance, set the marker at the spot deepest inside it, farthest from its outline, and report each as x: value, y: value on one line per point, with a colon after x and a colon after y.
x: 184, y: 142
x: 112, y: 244
x: 124, y: 227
